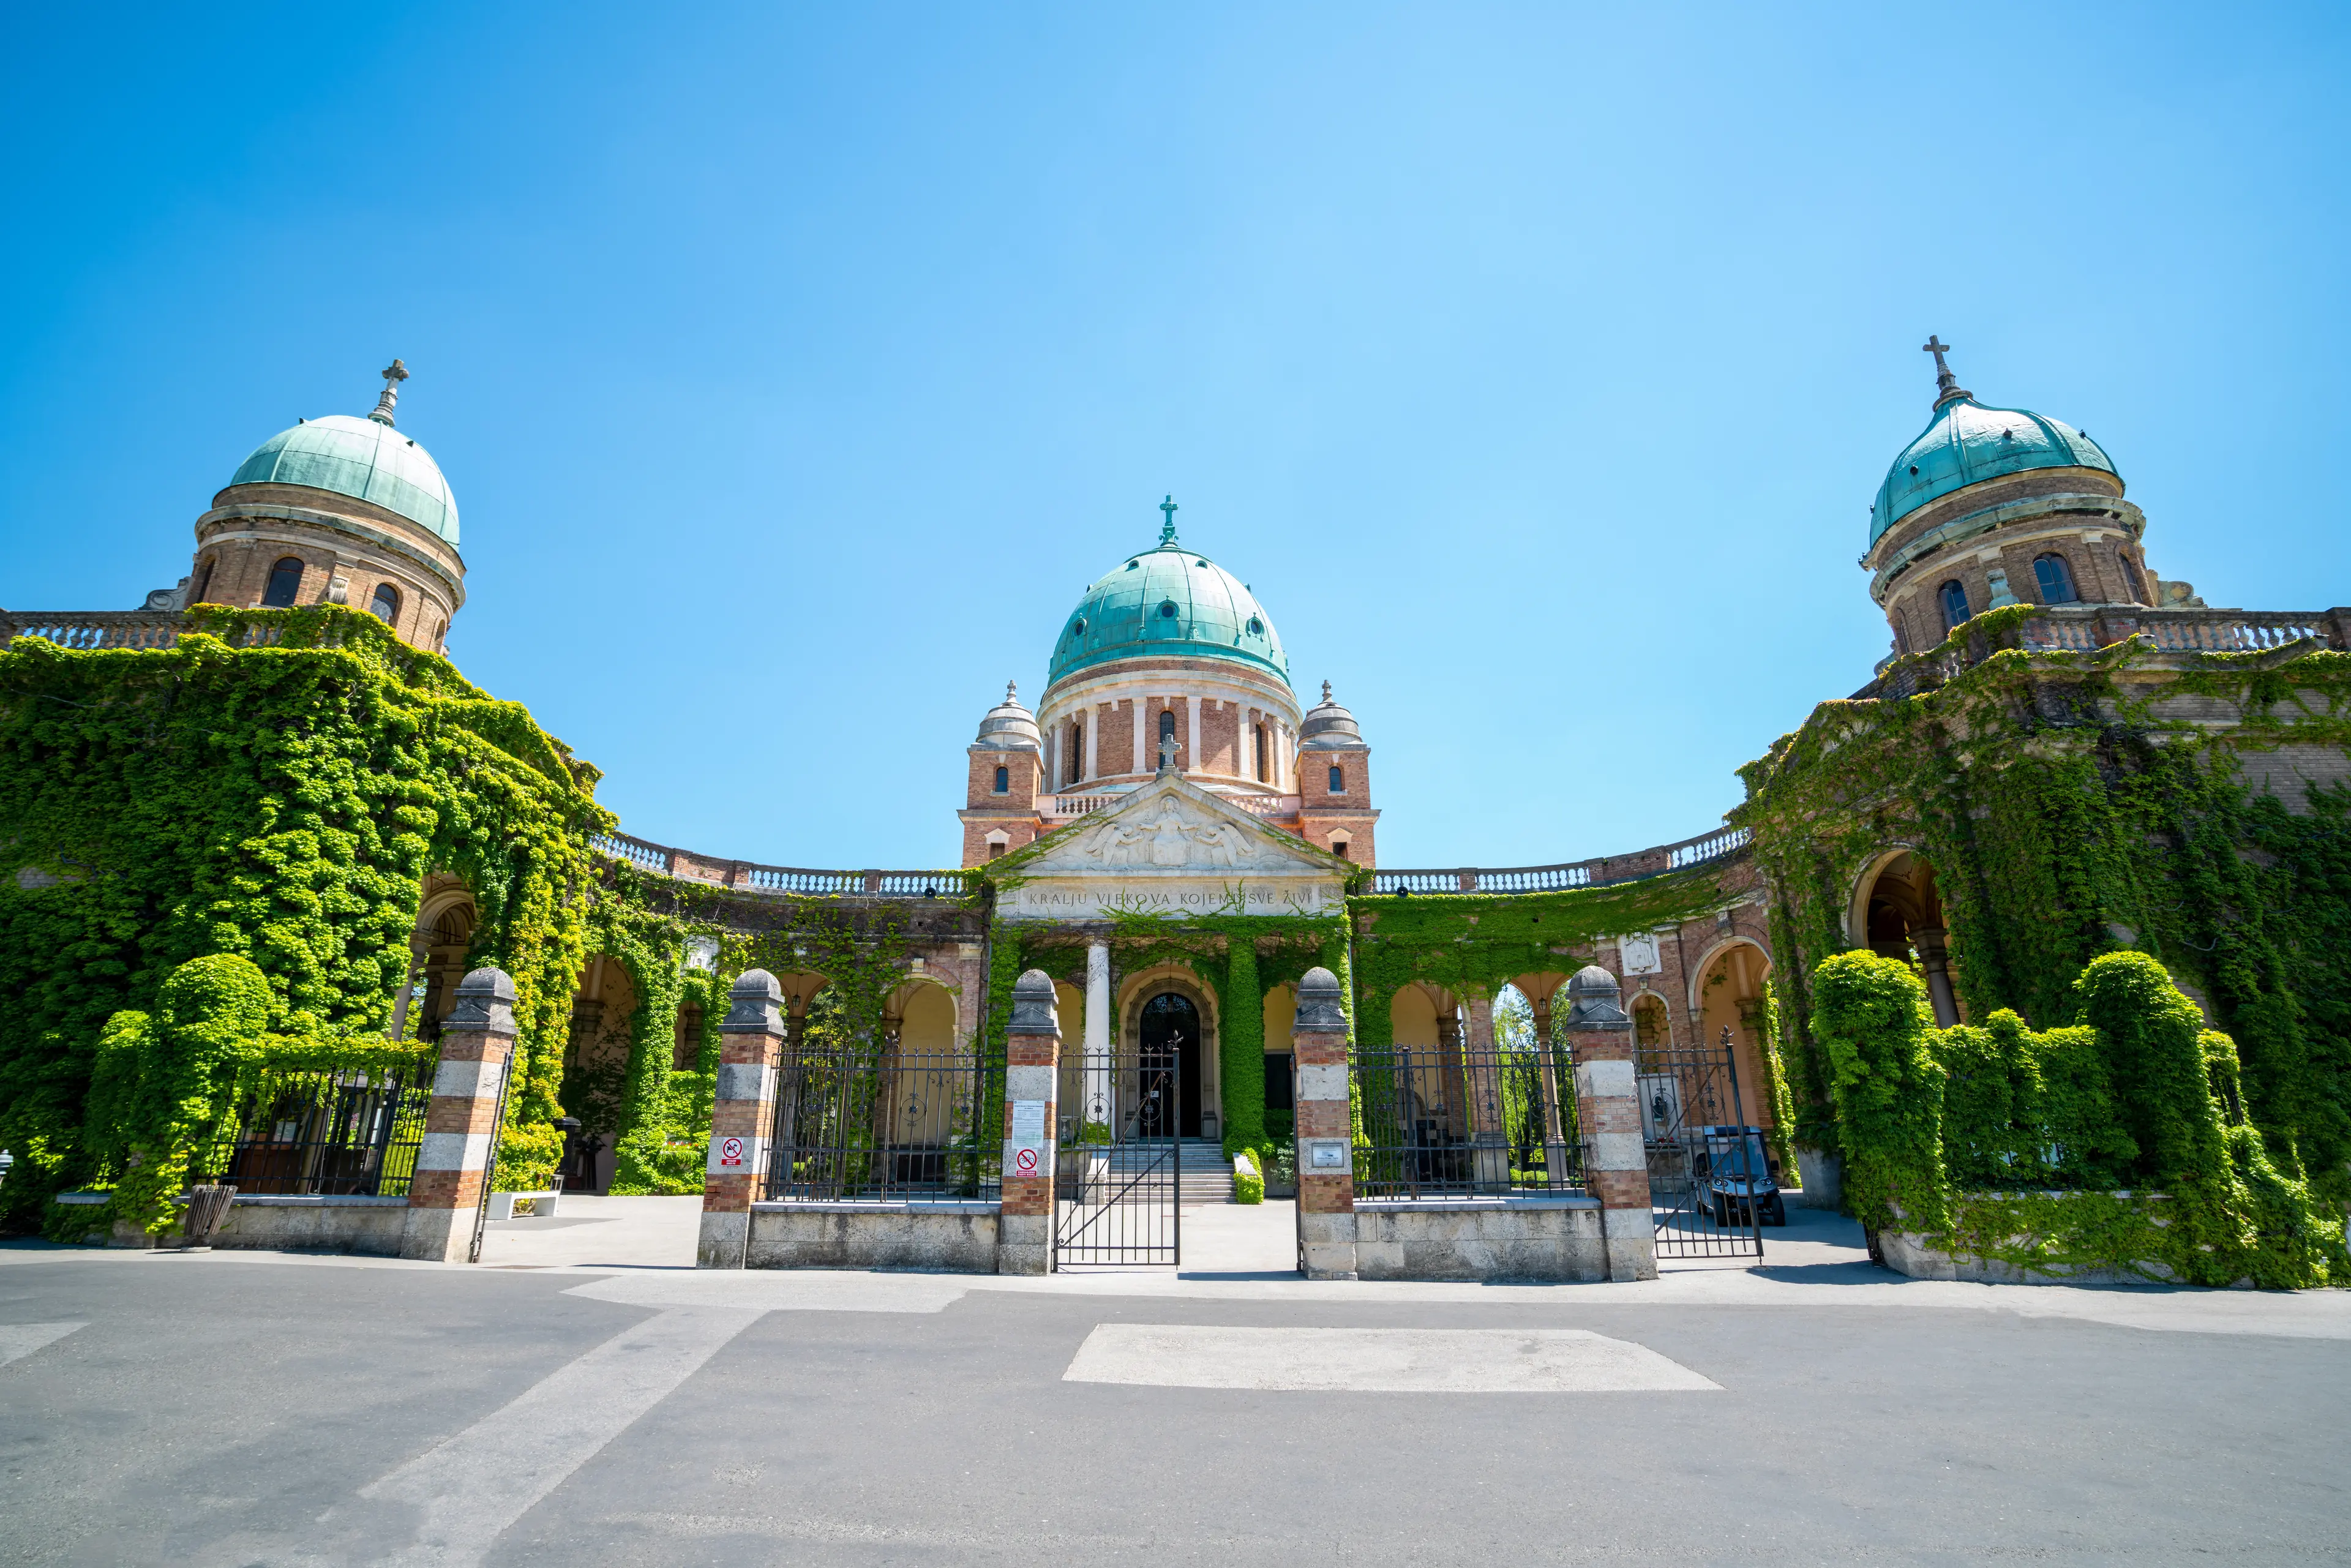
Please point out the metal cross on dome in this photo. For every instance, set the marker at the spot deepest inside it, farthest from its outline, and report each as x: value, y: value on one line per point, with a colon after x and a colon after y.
x: 1167, y: 528
x: 393, y: 375
x: 1936, y: 346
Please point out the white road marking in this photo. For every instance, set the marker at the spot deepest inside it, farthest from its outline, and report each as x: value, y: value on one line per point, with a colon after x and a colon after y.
x: 1392, y: 1360
x: 18, y: 1341
x: 783, y: 1290
x: 471, y: 1487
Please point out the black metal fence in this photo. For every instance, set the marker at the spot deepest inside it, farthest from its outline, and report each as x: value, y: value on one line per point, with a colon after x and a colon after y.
x: 862, y: 1122
x: 1455, y: 1121
x: 1708, y: 1166
x: 335, y: 1132
x: 1120, y: 1180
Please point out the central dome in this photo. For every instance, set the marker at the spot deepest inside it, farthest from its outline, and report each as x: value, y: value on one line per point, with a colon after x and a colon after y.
x: 1174, y: 602
x: 363, y: 459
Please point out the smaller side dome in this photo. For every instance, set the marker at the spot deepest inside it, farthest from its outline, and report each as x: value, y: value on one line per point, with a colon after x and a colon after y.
x: 363, y: 459
x: 1966, y: 442
x: 1327, y: 727
x: 1009, y: 726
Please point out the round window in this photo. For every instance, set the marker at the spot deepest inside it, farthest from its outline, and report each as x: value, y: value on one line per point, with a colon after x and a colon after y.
x: 1078, y: 627
x: 1256, y: 627
x: 1168, y: 610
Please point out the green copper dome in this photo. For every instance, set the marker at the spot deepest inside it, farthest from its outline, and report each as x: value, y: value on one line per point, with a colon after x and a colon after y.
x: 1171, y: 601
x: 1967, y: 443
x: 364, y: 458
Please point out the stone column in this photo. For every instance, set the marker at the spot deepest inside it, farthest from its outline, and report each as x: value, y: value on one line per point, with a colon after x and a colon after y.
x: 1326, y: 1137
x: 453, y: 1164
x: 1935, y: 958
x: 1615, y: 1159
x: 1554, y: 1127
x: 1096, y: 1063
x: 1032, y: 1058
x: 742, y: 1110
x: 1482, y: 1074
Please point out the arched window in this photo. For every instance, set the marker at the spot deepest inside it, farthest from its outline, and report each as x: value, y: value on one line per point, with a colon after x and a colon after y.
x: 1955, y: 605
x: 203, y: 583
x: 1003, y: 780
x: 1166, y: 725
x: 1259, y: 731
x: 285, y: 584
x: 439, y: 630
x: 2056, y: 579
x: 1338, y: 780
x: 2130, y: 572
x: 386, y: 603
x: 1076, y: 768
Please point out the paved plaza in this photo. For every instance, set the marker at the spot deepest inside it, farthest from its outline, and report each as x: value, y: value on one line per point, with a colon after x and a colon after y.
x: 585, y: 1398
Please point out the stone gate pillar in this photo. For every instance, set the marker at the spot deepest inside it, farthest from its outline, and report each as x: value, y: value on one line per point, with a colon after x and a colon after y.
x: 1326, y: 1132
x: 1032, y: 1072
x: 452, y: 1164
x: 1608, y: 1105
x: 742, y: 1110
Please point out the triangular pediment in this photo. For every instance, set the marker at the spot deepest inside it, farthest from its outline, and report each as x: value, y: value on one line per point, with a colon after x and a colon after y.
x: 1170, y: 845
x: 1172, y: 827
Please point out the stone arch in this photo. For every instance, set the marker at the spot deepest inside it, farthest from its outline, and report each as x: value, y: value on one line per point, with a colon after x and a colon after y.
x: 1897, y: 910
x: 1281, y: 1062
x: 1727, y: 994
x: 1138, y: 988
x: 596, y: 1069
x: 921, y: 1074
x: 1653, y: 1019
x: 446, y: 921
x: 1428, y: 1093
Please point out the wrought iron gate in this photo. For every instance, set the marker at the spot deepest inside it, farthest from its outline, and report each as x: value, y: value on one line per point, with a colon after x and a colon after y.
x: 1120, y: 1170
x: 1706, y: 1165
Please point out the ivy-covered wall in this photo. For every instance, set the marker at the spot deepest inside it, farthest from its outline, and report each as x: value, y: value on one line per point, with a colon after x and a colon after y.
x: 2117, y: 1144
x: 2077, y: 804
x: 280, y: 802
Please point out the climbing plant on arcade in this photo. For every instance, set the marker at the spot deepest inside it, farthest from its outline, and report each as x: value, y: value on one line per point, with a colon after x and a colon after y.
x: 2073, y: 805
x: 275, y: 786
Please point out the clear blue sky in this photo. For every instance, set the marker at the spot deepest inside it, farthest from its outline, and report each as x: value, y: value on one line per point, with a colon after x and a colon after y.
x: 794, y: 368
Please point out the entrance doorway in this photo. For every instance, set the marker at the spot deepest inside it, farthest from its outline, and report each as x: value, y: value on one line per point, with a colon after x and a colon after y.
x: 1171, y: 1029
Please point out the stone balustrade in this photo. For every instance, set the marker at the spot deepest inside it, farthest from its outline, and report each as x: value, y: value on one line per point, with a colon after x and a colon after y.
x: 1720, y: 844
x: 2087, y: 628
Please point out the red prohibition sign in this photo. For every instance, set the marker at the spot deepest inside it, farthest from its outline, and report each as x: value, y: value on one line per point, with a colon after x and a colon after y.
x: 730, y: 1151
x: 1027, y: 1161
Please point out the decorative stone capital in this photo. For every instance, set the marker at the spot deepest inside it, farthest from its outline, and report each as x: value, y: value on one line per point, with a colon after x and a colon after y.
x: 1318, y: 1002
x: 1591, y: 1001
x: 751, y: 1005
x: 485, y: 1002
x: 1032, y: 1005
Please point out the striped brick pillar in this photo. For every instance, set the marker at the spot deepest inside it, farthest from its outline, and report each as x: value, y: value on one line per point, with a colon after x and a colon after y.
x: 1326, y: 1131
x: 1032, y: 1072
x: 742, y: 1110
x: 452, y: 1164
x: 1608, y: 1107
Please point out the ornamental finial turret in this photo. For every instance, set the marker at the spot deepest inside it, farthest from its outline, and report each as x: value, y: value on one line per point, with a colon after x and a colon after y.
x: 392, y: 376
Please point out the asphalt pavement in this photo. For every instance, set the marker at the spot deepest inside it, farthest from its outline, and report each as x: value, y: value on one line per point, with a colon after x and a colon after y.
x: 230, y: 1409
